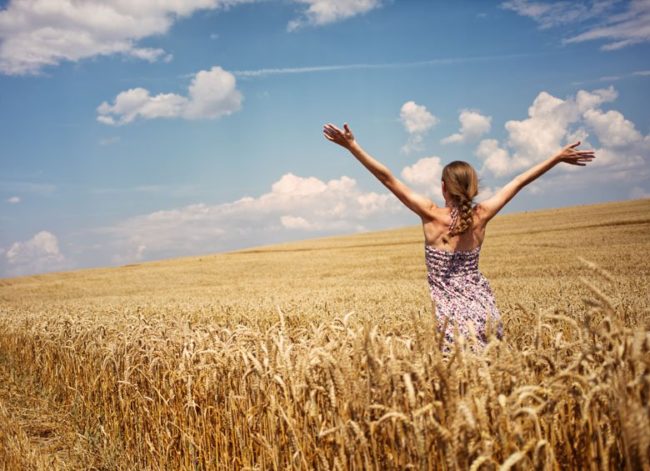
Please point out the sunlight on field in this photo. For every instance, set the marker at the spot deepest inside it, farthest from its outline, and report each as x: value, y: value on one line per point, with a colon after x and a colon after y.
x: 323, y: 354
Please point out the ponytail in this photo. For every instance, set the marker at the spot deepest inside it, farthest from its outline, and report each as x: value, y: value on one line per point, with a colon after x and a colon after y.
x: 461, y: 183
x: 465, y: 218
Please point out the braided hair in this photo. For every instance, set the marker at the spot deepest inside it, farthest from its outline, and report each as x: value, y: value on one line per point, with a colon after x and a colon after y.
x: 461, y: 183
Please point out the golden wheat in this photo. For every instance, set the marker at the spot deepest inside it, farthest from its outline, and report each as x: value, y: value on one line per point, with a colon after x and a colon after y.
x: 268, y: 359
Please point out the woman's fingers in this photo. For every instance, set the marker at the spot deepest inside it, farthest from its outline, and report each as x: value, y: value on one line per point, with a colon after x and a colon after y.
x: 580, y: 161
x: 332, y: 127
x: 340, y: 136
x: 334, y: 134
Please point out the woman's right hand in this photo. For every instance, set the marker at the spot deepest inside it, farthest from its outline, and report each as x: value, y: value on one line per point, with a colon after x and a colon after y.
x: 342, y: 137
x: 572, y: 156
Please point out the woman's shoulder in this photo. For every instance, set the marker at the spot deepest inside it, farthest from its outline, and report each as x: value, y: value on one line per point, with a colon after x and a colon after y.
x: 435, y: 213
x: 479, y: 212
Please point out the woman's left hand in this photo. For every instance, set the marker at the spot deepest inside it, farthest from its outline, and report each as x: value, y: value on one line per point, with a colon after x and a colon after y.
x: 342, y: 137
x: 571, y: 155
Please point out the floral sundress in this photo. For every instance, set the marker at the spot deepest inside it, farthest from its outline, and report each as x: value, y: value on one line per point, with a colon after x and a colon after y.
x: 461, y: 294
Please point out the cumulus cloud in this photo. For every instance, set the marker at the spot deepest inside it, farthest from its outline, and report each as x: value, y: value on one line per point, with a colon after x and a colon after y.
x: 485, y: 192
x: 416, y: 118
x: 36, y: 255
x: 611, y: 127
x: 39, y: 33
x: 13, y: 199
x: 425, y: 176
x: 617, y: 29
x: 553, y: 122
x: 294, y: 205
x: 322, y: 12
x: 472, y: 126
x: 212, y: 93
x: 417, y: 121
x: 495, y: 159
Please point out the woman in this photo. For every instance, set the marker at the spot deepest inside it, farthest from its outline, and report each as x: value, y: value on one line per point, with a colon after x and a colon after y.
x: 454, y: 234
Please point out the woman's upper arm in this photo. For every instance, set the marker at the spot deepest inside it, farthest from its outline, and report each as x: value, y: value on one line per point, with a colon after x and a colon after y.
x: 490, y: 207
x: 419, y: 204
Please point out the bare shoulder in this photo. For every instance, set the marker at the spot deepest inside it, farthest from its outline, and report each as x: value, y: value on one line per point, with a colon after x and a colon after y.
x: 481, y: 214
x: 433, y: 213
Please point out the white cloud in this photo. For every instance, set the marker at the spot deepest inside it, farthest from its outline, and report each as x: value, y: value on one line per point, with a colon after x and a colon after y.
x: 13, y: 199
x: 625, y: 29
x: 372, y: 203
x: 296, y: 222
x: 549, y: 15
x: 486, y: 192
x: 494, y: 157
x: 543, y: 132
x: 425, y: 175
x: 322, y: 12
x: 472, y: 126
x: 211, y: 94
x: 39, y: 33
x: 554, y: 122
x: 611, y: 128
x: 294, y: 204
x: 417, y: 121
x: 416, y: 118
x: 630, y: 26
x: 38, y: 254
x: 532, y: 139
x: 588, y: 100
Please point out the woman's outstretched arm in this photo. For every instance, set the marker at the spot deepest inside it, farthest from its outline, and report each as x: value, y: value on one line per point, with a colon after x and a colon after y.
x: 418, y: 204
x: 570, y: 155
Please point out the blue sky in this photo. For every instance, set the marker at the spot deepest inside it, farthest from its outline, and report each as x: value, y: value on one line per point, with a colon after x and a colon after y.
x: 133, y: 131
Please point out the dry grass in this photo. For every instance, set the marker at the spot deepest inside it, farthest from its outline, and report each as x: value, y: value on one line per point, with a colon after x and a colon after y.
x: 323, y: 355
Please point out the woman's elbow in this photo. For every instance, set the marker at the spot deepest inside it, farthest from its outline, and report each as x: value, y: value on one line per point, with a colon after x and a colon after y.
x: 385, y: 176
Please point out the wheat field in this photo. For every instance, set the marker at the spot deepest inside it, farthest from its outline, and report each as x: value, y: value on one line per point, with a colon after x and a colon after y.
x: 323, y: 354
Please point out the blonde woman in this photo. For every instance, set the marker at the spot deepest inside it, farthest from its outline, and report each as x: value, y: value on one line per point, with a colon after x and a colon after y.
x: 453, y: 234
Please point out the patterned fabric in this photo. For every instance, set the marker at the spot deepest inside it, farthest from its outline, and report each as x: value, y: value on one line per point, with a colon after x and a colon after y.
x: 461, y: 293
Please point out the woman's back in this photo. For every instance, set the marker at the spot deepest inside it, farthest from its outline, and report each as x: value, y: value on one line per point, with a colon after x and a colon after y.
x: 436, y: 230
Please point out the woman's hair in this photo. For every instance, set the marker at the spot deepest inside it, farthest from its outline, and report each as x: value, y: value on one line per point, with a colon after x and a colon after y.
x: 461, y: 183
